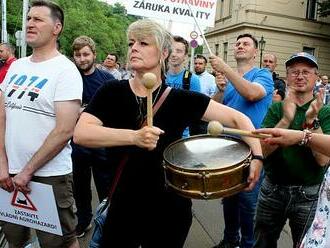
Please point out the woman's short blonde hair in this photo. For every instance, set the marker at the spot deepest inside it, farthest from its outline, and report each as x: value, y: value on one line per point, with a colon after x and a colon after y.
x: 145, y: 28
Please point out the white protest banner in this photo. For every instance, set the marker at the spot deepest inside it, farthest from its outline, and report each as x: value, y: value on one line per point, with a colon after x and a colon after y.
x: 36, y: 210
x: 175, y: 10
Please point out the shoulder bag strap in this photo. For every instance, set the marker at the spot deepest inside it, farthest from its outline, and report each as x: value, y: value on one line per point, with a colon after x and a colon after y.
x: 125, y: 158
x: 158, y: 104
x: 186, y: 80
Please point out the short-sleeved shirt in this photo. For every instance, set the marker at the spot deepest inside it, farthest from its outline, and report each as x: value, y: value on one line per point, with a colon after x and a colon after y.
x: 114, y: 72
x: 207, y: 82
x: 141, y: 199
x: 294, y: 165
x: 117, y: 107
x: 175, y: 81
x: 31, y: 90
x: 255, y: 110
x: 91, y: 83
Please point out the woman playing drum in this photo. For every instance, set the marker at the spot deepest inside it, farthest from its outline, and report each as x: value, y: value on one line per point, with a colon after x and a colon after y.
x: 142, y: 211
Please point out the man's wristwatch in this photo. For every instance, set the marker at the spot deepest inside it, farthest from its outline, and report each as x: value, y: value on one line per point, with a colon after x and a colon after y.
x: 258, y: 157
x: 312, y: 126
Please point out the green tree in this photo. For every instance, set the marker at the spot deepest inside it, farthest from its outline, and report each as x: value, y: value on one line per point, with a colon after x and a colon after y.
x: 106, y: 24
x: 14, y: 18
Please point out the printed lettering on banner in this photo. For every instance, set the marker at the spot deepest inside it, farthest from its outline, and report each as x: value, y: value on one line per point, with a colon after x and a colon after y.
x: 175, y: 10
x: 36, y: 210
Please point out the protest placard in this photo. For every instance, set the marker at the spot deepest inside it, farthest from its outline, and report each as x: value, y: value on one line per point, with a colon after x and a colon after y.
x: 175, y: 10
x: 36, y: 210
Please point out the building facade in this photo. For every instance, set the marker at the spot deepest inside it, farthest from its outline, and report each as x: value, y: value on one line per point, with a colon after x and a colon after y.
x: 287, y: 26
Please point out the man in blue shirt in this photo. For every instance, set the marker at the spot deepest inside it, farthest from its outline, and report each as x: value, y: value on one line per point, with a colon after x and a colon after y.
x: 177, y: 76
x: 249, y: 90
x: 84, y: 159
x: 176, y: 67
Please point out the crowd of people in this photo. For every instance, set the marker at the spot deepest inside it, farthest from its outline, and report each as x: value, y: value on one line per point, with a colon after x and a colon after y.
x: 90, y: 118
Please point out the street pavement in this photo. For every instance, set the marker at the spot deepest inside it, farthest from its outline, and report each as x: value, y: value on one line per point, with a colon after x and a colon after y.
x: 207, y: 227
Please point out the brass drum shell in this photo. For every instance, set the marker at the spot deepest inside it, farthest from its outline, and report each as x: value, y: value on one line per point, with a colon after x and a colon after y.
x: 207, y: 167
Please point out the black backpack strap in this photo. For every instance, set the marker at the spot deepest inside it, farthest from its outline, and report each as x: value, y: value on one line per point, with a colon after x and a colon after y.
x: 186, y: 80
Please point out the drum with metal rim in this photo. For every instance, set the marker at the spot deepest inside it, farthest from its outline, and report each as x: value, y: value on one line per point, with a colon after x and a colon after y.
x: 207, y: 167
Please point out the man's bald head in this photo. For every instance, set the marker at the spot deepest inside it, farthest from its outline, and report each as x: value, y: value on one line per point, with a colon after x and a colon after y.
x: 269, y: 61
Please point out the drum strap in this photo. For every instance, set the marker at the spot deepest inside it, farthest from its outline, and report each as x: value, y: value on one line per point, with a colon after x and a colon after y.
x: 125, y: 158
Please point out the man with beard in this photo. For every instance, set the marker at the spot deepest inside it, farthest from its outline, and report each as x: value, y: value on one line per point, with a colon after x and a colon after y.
x: 207, y: 80
x: 87, y: 160
x: 208, y: 87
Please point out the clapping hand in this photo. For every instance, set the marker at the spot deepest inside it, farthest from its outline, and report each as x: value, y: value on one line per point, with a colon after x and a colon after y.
x: 315, y: 106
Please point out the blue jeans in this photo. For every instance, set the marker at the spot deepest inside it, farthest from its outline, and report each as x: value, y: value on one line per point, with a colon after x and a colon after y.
x: 278, y: 203
x: 239, y: 212
x: 100, y: 216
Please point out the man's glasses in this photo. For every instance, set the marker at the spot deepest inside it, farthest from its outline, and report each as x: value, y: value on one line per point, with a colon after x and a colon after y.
x: 304, y: 73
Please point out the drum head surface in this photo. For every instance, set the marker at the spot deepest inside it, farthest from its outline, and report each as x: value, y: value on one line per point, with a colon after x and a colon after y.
x: 206, y: 152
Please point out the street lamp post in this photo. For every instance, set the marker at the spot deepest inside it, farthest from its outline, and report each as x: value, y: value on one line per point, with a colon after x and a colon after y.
x: 4, y: 35
x: 262, y: 44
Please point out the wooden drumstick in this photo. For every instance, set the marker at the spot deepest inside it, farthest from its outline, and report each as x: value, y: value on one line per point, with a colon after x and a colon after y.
x: 215, y: 128
x: 149, y: 80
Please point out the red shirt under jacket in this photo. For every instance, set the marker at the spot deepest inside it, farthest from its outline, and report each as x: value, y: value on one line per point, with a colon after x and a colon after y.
x: 5, y: 67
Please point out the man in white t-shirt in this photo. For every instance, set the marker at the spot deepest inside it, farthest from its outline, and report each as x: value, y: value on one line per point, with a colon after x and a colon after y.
x: 40, y: 102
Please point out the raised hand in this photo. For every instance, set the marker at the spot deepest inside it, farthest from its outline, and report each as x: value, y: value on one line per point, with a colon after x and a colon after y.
x: 289, y: 106
x: 221, y: 81
x: 315, y: 106
x: 217, y: 63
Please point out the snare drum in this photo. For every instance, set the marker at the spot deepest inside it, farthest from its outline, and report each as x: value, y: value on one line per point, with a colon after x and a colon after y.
x: 207, y: 167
